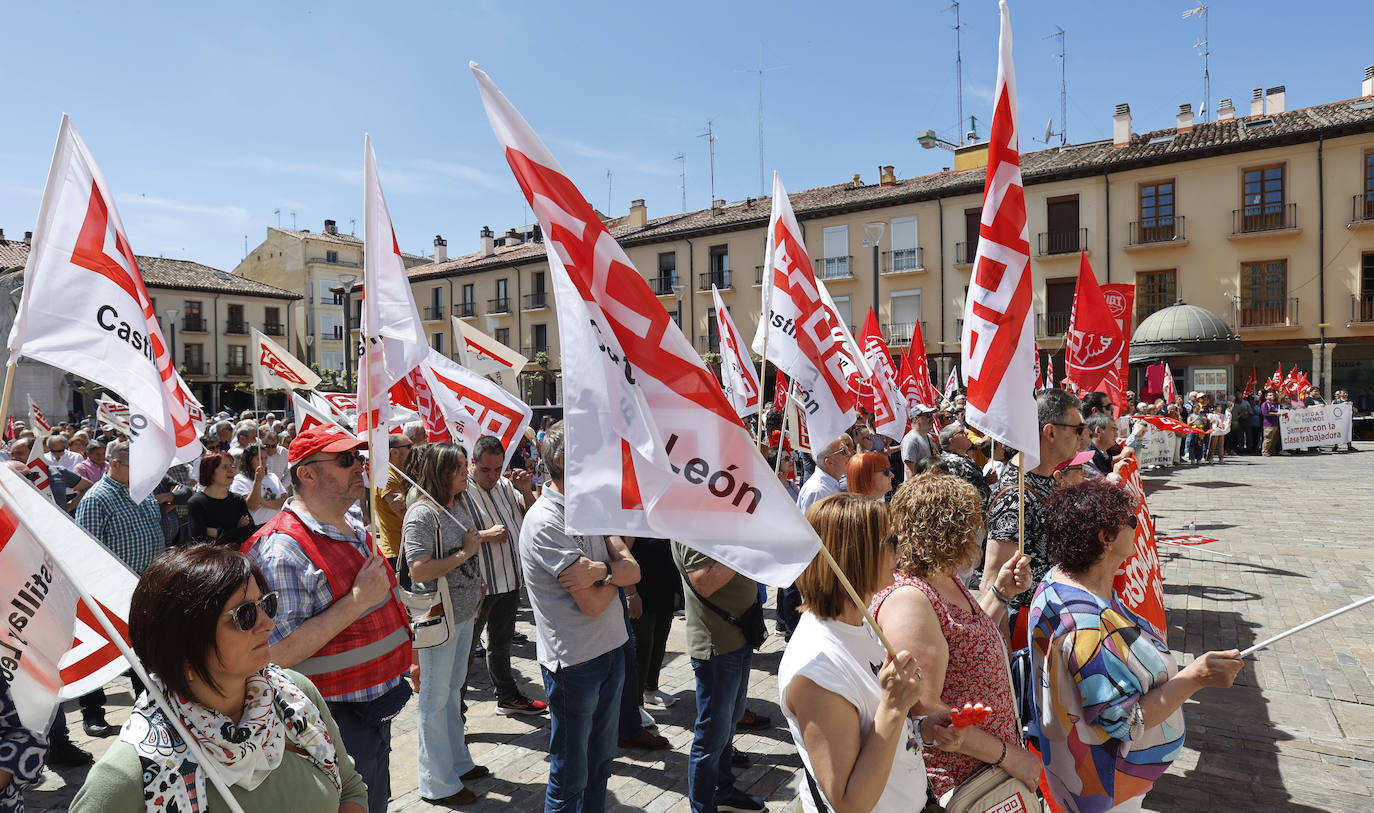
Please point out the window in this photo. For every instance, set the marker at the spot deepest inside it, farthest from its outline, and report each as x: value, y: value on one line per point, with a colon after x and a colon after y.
x: 539, y: 337
x: 502, y: 335
x: 835, y: 250
x: 238, y: 355
x: 1264, y: 293
x: 1156, y: 212
x: 537, y: 297
x: 327, y: 296
x: 233, y: 322
x: 1154, y: 290
x: 1262, y: 197
x: 331, y: 325
x: 194, y: 320
x: 469, y: 293
x: 1366, y: 206
x: 1062, y: 233
x: 193, y: 356
x: 720, y: 268
x: 501, y: 303
x: 332, y: 360
x: 1058, y: 304
x: 905, y: 253
x: 667, y: 273
x: 906, y: 312
x: 712, y: 330
x: 272, y: 322
x: 844, y: 312
x: 436, y: 301
x: 331, y: 256
x: 965, y: 252
x: 1364, y: 310
x: 437, y: 340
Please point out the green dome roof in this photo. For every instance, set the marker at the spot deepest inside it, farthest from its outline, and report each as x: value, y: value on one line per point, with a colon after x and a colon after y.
x: 1182, y: 330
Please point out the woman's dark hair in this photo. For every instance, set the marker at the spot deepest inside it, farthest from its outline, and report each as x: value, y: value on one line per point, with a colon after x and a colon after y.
x: 931, y: 465
x: 1073, y: 517
x: 246, y: 458
x: 176, y: 608
x: 209, y: 462
x: 436, y: 470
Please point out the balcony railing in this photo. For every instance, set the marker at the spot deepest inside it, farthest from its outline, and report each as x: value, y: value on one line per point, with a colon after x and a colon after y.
x: 1267, y: 312
x: 965, y: 252
x: 835, y: 267
x: 432, y: 313
x: 1362, y: 307
x: 274, y: 329
x: 236, y: 327
x: 236, y: 370
x: 338, y: 333
x: 196, y: 368
x: 193, y: 324
x: 758, y: 276
x: 465, y: 310
x: 1068, y: 241
x: 501, y: 304
x: 1362, y: 208
x: 529, y: 350
x: 1053, y: 323
x: 334, y: 262
x: 535, y: 301
x: 1153, y: 230
x: 1264, y: 217
x: 899, y: 333
x: 903, y: 261
x: 663, y: 285
x: 708, y: 344
x: 720, y: 279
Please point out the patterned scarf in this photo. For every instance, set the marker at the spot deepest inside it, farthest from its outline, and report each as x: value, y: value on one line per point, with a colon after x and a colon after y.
x: 275, y: 713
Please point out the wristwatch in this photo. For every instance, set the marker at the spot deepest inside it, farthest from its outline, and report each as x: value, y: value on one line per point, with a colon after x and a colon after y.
x: 606, y: 581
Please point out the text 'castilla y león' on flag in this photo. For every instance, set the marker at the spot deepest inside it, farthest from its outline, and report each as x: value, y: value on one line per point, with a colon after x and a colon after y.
x: 85, y: 310
x: 652, y: 446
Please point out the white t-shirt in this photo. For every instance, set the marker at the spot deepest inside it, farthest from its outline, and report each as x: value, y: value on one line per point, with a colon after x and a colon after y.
x: 845, y: 659
x: 271, y: 489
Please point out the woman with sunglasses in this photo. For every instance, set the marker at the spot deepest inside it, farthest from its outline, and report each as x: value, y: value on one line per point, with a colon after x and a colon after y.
x: 218, y: 515
x: 1110, y: 696
x: 869, y: 474
x: 199, y: 620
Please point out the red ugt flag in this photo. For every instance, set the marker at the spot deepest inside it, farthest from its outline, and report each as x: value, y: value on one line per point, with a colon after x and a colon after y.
x: 1250, y: 383
x: 1095, y: 343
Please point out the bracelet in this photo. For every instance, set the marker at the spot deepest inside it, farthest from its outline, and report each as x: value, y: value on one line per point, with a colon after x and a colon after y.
x: 1002, y: 758
x: 631, y: 595
x: 1002, y: 597
x: 921, y: 736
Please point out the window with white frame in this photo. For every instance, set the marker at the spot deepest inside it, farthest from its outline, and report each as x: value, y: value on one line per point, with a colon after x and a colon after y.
x: 906, y: 255
x: 843, y: 311
x: 332, y: 360
x: 906, y: 312
x: 835, y: 249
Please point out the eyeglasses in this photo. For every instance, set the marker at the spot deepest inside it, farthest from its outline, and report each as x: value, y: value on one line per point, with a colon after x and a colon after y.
x: 270, y: 445
x: 345, y: 460
x: 246, y: 614
x: 1132, y: 522
x: 1080, y: 428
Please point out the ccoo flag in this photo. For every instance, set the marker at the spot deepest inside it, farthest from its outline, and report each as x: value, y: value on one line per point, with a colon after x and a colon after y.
x: 274, y: 368
x: 653, y: 446
x: 474, y: 406
x: 737, y: 373
x: 484, y: 355
x: 85, y: 309
x: 999, y: 329
x: 887, y: 400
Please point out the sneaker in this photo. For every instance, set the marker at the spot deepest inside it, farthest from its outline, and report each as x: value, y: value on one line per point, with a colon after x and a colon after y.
x: 659, y: 699
x: 738, y: 759
x: 737, y: 801
x: 519, y: 638
x: 479, y: 651
x: 95, y: 726
x: 65, y: 754
x: 521, y: 705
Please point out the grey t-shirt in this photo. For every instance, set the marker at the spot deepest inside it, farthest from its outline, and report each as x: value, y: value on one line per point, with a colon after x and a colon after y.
x: 564, y: 634
x: 423, y: 520
x: 915, y: 447
x: 708, y: 634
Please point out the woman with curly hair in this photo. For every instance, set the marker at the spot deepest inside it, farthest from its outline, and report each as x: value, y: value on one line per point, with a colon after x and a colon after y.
x: 869, y: 474
x: 1109, y: 705
x: 957, y: 639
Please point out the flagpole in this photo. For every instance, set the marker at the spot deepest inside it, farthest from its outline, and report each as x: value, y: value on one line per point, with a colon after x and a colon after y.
x: 1021, y: 506
x: 366, y: 408
x: 9, y: 383
x: 1301, y: 627
x: 792, y: 393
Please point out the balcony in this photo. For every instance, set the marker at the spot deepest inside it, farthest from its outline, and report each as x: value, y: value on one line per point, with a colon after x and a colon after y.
x: 903, y: 261
x: 465, y: 310
x: 758, y: 276
x: 1362, y: 209
x: 536, y: 301
x: 1156, y: 231
x: 663, y: 285
x: 964, y: 253
x: 1053, y: 323
x: 1262, y: 218
x: 835, y: 267
x: 1068, y: 241
x: 274, y: 329
x: 433, y: 314
x: 236, y: 327
x: 334, y: 262
x: 501, y: 304
x: 1362, y: 308
x: 196, y: 368
x: 236, y: 370
x: 708, y: 344
x: 193, y: 324
x: 529, y: 350
x: 720, y: 279
x: 337, y: 334
x: 1267, y: 312
x: 899, y: 333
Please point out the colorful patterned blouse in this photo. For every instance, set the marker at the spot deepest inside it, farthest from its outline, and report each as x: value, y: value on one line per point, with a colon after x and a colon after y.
x: 1095, y: 660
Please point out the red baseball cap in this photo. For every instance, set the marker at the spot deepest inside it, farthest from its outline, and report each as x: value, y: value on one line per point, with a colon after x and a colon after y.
x: 316, y: 439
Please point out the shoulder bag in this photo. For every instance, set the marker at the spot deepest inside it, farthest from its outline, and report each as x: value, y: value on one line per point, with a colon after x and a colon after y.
x: 750, y: 622
x: 431, y: 622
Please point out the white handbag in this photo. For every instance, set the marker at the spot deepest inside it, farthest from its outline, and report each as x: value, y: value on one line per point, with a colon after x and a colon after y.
x: 431, y: 622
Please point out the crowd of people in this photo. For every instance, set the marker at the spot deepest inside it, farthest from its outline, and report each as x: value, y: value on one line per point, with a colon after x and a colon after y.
x: 287, y: 637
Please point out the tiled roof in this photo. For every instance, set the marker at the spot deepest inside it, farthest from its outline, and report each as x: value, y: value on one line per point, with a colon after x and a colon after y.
x: 161, y: 272
x: 1166, y: 146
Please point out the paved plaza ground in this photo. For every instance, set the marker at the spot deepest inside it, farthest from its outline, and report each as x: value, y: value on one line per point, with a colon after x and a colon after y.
x: 1295, y: 733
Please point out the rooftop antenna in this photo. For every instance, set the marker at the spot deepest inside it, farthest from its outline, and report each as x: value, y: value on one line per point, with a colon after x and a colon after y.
x: 958, y: 68
x: 760, y: 70
x: 711, y: 148
x: 609, y: 187
x: 245, y: 246
x: 1205, y: 46
x: 353, y: 226
x: 293, y: 220
x: 277, y: 212
x: 681, y: 159
x: 1063, y: 92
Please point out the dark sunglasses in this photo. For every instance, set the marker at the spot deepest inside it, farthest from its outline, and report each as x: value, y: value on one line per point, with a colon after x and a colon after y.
x: 1080, y: 428
x: 1132, y: 522
x: 344, y: 460
x: 246, y: 614
x: 888, y: 472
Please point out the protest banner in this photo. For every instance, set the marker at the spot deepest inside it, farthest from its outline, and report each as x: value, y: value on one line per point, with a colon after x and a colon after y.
x: 1320, y: 425
x: 1159, y: 449
x: 1139, y: 582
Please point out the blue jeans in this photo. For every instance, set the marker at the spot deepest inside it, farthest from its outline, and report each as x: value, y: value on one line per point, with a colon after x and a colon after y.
x: 444, y: 756
x: 365, y: 728
x: 722, y: 683
x: 584, y: 709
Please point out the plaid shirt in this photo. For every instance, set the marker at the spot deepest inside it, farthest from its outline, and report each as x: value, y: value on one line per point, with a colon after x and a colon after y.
x: 302, y: 590
x: 131, y: 531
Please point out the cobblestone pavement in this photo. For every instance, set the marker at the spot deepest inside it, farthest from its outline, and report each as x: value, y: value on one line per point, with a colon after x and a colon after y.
x: 1295, y: 733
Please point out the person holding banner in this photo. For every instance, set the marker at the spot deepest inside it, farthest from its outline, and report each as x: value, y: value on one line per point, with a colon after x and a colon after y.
x: 1269, y: 413
x: 1110, y: 696
x: 199, y: 620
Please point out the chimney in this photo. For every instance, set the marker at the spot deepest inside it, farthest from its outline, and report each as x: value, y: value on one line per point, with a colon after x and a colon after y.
x: 1257, y: 102
x: 1121, y: 126
x: 1226, y: 110
x: 1185, y: 118
x: 639, y: 214
x: 28, y: 237
x: 440, y: 249
x: 888, y: 177
x: 717, y: 206
x: 330, y: 227
x: 513, y: 237
x: 858, y: 180
x: 2, y: 235
x: 1367, y: 86
x: 1274, y: 99
x: 488, y: 242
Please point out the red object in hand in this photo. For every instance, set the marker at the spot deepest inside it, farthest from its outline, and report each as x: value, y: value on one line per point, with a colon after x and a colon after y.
x: 969, y: 714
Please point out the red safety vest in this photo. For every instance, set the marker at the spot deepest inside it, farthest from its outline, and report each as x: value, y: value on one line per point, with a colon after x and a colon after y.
x: 373, y: 649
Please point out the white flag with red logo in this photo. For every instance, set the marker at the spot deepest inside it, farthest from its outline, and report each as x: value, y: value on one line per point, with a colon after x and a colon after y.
x: 475, y: 406
x: 653, y: 447
x: 888, y: 403
x: 952, y: 384
x: 41, y: 427
x: 484, y: 355
x: 413, y: 393
x: 115, y: 414
x: 310, y: 415
x: 53, y: 648
x: 85, y: 309
x: 1170, y: 392
x: 737, y: 373
x: 998, y: 342
x: 805, y: 338
x: 276, y: 369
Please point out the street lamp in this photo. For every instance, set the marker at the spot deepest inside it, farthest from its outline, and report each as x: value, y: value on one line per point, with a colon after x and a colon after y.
x: 929, y: 141
x: 875, y: 229
x: 310, y: 349
x: 346, y: 288
x: 172, y: 314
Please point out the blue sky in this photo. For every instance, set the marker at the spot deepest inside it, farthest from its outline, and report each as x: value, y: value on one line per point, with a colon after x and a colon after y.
x: 205, y: 118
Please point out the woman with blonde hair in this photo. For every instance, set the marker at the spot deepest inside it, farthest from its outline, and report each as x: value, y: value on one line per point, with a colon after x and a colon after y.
x: 847, y: 716
x: 869, y: 474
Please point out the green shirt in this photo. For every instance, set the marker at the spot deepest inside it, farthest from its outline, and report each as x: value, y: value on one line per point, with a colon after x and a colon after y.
x: 708, y: 634
x: 115, y: 783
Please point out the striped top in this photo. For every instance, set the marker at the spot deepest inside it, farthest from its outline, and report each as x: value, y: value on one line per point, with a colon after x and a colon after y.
x: 500, y: 561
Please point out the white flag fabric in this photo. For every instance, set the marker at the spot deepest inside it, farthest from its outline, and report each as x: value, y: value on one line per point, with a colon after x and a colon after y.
x: 276, y: 369
x: 53, y: 648
x: 115, y: 414
x: 805, y: 339
x: 737, y: 373
x: 41, y: 427
x: 653, y: 447
x: 484, y: 355
x: 889, y: 406
x: 474, y: 406
x: 85, y: 309
x: 998, y: 344
x: 345, y: 403
x: 310, y: 415
x: 952, y: 384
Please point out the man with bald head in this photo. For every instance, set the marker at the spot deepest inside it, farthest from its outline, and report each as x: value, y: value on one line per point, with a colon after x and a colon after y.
x: 825, y: 480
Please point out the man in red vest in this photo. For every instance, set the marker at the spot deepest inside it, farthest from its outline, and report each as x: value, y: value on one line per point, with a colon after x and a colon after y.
x: 338, y: 621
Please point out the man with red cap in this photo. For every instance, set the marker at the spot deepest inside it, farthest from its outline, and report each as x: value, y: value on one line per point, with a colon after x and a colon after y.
x: 338, y: 621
